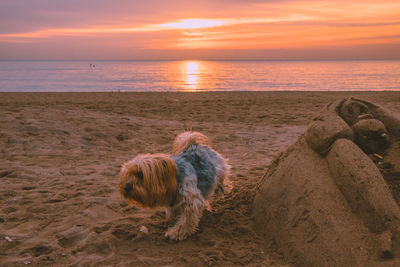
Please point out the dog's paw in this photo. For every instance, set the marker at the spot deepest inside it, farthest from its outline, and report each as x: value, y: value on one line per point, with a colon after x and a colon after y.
x: 208, y: 206
x: 224, y: 189
x: 175, y: 235
x: 168, y: 214
x: 179, y: 232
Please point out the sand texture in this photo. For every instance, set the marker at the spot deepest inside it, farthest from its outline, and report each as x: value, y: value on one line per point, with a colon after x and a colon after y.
x: 325, y: 201
x: 61, y: 155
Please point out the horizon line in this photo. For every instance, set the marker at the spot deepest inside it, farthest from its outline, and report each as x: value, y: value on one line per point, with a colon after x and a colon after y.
x: 194, y: 59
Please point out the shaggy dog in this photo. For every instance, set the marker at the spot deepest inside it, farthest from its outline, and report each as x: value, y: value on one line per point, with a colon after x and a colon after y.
x: 182, y: 182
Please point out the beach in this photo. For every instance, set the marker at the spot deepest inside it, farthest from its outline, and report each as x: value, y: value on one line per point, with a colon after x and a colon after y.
x: 61, y: 154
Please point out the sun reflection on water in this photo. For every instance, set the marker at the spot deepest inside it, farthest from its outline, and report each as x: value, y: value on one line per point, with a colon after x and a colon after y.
x: 191, y: 71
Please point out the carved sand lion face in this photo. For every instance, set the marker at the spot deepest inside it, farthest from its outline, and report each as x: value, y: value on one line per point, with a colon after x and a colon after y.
x: 370, y: 134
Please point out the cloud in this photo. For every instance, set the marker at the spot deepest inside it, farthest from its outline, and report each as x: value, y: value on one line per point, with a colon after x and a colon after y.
x: 184, y: 24
x: 154, y: 25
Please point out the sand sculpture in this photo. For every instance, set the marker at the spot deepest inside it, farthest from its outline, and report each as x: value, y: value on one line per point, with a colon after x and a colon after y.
x: 332, y: 198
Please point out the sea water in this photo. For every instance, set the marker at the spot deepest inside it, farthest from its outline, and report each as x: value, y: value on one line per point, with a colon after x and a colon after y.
x: 145, y: 76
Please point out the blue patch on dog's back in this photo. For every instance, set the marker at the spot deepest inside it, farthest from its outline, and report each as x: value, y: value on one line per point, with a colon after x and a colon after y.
x: 201, y: 161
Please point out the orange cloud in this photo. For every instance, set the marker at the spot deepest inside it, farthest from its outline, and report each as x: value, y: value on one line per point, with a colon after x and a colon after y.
x: 264, y: 25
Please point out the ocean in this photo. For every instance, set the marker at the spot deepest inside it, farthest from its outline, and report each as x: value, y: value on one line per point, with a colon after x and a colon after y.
x: 148, y: 76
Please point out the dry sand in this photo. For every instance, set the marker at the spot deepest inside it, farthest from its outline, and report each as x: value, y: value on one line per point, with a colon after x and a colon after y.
x: 60, y: 159
x: 329, y: 199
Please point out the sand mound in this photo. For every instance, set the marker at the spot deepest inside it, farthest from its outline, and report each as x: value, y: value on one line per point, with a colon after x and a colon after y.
x: 332, y: 198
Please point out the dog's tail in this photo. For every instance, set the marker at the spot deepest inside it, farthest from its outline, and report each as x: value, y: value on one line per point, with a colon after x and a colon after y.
x: 185, y: 139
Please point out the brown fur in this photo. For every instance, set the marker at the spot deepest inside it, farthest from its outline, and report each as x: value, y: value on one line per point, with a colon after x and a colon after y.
x: 183, y: 140
x: 151, y: 181
x: 153, y: 178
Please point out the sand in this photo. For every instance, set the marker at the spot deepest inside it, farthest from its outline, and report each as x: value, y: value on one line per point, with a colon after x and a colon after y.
x: 325, y: 200
x: 60, y: 159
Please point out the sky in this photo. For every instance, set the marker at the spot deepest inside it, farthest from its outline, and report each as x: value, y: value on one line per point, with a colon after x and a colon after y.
x: 209, y: 29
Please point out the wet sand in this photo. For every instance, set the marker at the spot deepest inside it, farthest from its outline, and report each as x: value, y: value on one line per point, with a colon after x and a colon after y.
x: 60, y: 159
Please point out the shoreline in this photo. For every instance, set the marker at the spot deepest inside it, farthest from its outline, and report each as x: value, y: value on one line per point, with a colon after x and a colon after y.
x: 231, y: 94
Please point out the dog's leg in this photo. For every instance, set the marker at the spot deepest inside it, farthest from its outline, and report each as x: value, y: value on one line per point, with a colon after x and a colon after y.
x: 168, y: 213
x: 225, y: 184
x: 191, y: 208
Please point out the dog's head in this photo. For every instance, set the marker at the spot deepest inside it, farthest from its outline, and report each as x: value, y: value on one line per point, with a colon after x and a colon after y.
x: 183, y: 141
x: 149, y: 180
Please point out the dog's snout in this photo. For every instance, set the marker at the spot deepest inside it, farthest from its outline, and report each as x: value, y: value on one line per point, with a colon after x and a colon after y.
x: 128, y: 188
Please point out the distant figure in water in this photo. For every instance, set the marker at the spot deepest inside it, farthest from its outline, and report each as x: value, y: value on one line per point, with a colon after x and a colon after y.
x: 92, y: 65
